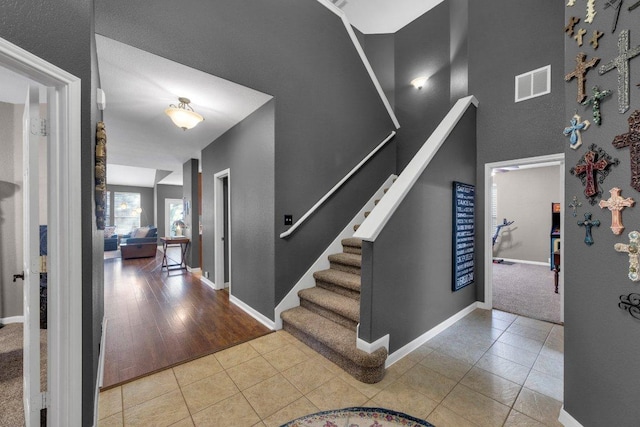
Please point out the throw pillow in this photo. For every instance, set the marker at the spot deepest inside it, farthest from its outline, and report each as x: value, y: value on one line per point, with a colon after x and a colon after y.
x: 140, y: 232
x: 109, y: 231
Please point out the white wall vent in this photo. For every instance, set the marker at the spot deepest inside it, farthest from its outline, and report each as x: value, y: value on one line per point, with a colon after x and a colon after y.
x: 533, y: 83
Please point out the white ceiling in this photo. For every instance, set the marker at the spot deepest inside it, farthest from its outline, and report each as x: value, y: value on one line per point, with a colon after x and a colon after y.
x: 138, y: 87
x: 383, y: 16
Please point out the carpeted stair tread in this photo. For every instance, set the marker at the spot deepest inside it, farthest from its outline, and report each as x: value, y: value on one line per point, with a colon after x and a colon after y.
x: 352, y: 241
x: 332, y: 302
x: 339, y: 278
x: 353, y: 260
x: 336, y: 337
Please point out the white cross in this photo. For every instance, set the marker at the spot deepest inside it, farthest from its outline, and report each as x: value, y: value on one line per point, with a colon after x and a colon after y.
x: 632, y: 250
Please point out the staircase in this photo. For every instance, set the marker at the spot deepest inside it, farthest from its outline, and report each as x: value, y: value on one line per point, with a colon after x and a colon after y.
x: 329, y: 313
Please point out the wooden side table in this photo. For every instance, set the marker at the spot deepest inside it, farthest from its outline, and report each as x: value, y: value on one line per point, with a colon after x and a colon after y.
x: 183, y: 242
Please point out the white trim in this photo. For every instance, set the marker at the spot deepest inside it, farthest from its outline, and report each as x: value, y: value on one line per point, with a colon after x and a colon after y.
x: 100, y: 381
x: 567, y: 420
x: 218, y: 226
x: 522, y: 261
x: 408, y: 348
x: 194, y: 269
x: 65, y: 236
x: 336, y: 187
x: 322, y: 263
x: 371, y: 347
x: 253, y: 313
x: 356, y: 43
x: 208, y: 282
x: 531, y: 73
x: 12, y: 319
x: 488, y: 250
x: 375, y: 222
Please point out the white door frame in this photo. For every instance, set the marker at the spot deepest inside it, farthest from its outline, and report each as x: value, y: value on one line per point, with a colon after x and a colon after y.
x: 218, y: 225
x: 64, y: 233
x: 488, y: 232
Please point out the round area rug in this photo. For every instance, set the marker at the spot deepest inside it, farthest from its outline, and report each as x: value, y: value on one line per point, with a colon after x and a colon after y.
x: 357, y: 417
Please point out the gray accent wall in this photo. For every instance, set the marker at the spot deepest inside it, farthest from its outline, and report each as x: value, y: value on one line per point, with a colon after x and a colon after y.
x: 192, y: 215
x: 527, y: 238
x: 62, y: 33
x: 407, y: 271
x: 164, y: 192
x: 247, y: 150
x: 328, y: 114
x: 508, y: 38
x: 602, y: 342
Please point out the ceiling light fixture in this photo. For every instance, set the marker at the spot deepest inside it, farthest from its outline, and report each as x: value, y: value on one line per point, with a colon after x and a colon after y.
x: 419, y: 82
x: 183, y: 115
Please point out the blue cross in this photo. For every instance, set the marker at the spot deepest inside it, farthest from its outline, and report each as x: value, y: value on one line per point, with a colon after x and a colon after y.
x: 573, y: 131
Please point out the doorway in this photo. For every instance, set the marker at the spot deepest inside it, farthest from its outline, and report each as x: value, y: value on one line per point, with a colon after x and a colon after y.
x: 523, y: 247
x: 63, y: 214
x: 222, y: 225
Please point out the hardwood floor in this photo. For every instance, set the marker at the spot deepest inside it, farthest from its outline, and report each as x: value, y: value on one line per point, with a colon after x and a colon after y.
x: 156, y: 319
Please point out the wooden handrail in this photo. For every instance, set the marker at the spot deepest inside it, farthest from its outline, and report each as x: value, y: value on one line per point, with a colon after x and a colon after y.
x: 336, y: 187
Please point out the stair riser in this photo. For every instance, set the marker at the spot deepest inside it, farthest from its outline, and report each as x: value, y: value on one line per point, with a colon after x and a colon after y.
x: 368, y: 375
x: 352, y: 250
x: 328, y: 314
x: 338, y: 289
x: 346, y: 268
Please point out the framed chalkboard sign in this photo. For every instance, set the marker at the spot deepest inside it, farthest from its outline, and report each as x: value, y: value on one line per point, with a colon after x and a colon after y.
x: 464, y: 200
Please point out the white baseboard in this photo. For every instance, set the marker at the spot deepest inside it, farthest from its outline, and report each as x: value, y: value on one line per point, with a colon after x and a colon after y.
x: 209, y: 283
x: 253, y: 313
x: 291, y: 300
x: 371, y: 347
x: 194, y: 269
x: 402, y: 352
x: 523, y: 261
x: 100, y: 377
x: 12, y: 319
x: 567, y: 420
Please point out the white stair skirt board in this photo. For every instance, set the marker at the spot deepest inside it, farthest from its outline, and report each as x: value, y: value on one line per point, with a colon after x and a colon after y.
x: 291, y: 300
x: 567, y: 420
x: 402, y: 352
x: 96, y: 400
x: 208, y: 282
x: 253, y: 313
x: 522, y: 261
x: 12, y: 319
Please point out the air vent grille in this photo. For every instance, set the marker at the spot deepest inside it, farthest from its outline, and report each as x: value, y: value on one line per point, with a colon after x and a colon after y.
x: 533, y: 84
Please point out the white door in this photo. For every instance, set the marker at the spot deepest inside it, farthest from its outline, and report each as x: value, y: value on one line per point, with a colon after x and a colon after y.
x: 31, y: 356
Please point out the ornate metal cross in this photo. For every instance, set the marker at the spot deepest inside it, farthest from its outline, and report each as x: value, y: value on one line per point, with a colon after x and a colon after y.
x: 621, y: 62
x: 616, y: 203
x: 573, y: 131
x: 617, y: 4
x: 594, y: 101
x: 634, y: 6
x: 574, y: 205
x: 580, y: 72
x: 587, y: 224
x: 595, y: 164
x: 632, y: 250
x: 632, y: 140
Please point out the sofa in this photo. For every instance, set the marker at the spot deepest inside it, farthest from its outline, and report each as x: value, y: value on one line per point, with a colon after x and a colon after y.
x: 140, y: 243
x: 110, y: 238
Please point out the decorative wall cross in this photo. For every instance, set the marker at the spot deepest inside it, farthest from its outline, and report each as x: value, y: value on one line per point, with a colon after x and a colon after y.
x: 632, y: 140
x: 617, y: 4
x: 569, y: 29
x: 591, y: 11
x: 580, y: 73
x: 578, y: 37
x: 595, y: 37
x: 593, y: 169
x: 616, y: 203
x: 574, y: 205
x: 587, y: 224
x: 594, y: 101
x: 573, y: 131
x: 632, y: 250
x: 634, y: 6
x: 621, y: 62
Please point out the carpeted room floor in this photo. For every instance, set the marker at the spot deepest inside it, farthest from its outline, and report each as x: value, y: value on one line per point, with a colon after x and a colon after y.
x: 527, y: 290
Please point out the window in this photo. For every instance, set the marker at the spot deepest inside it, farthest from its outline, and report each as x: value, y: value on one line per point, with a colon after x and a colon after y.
x: 126, y: 211
x: 107, y: 216
x: 534, y: 83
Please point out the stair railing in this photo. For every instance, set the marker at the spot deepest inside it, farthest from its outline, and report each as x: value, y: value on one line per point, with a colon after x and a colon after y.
x: 336, y: 187
x: 375, y: 222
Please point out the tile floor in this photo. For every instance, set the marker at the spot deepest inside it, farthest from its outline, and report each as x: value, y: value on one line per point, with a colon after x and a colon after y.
x: 491, y: 368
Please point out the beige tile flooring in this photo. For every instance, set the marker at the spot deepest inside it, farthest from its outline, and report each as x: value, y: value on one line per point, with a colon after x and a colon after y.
x: 489, y: 369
